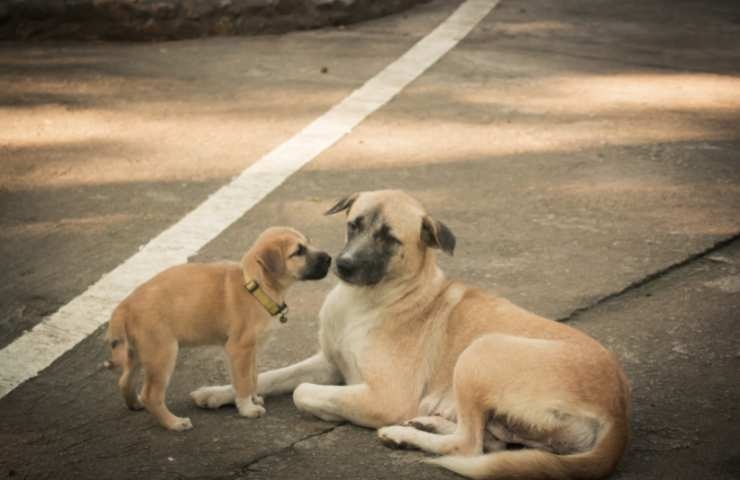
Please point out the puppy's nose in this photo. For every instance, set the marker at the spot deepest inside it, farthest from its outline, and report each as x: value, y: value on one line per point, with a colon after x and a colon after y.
x: 325, y: 259
x: 345, y: 266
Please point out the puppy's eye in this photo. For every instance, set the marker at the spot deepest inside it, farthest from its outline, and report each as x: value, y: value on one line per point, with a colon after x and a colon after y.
x: 301, y: 250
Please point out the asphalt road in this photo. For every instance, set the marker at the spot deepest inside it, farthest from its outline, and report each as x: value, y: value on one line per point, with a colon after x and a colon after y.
x: 585, y: 153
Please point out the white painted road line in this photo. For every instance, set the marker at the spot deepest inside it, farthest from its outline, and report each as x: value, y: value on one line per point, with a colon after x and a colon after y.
x: 37, y: 349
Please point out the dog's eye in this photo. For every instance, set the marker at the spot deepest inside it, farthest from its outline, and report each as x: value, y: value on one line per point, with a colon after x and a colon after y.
x: 353, y: 227
x: 384, y: 235
x: 301, y: 250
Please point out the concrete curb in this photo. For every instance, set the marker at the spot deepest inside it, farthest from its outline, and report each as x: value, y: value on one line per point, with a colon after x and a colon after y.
x: 142, y: 20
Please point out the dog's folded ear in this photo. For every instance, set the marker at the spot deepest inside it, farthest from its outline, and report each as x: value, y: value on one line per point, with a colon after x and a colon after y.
x: 271, y: 260
x: 435, y: 234
x: 343, y: 204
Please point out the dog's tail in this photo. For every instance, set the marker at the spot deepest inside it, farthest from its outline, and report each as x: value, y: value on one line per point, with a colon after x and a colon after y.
x: 531, y: 464
x: 116, y: 337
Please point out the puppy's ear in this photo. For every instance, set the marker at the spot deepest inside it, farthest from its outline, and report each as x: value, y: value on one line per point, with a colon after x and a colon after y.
x: 343, y: 204
x: 271, y: 260
x: 435, y: 234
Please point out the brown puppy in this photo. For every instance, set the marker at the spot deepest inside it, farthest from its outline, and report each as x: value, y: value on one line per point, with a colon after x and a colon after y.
x: 206, y: 304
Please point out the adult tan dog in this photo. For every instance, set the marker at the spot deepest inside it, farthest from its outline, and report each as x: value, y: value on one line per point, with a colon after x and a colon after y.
x: 468, y: 371
x: 216, y: 303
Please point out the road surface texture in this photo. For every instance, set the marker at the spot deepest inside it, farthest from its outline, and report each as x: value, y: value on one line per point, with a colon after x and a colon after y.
x: 585, y: 153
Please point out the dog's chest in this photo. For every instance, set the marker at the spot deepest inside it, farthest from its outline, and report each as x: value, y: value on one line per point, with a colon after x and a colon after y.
x: 345, y: 332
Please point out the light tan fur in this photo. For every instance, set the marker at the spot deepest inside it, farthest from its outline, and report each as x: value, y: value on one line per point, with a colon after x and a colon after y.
x: 469, y: 372
x: 203, y: 304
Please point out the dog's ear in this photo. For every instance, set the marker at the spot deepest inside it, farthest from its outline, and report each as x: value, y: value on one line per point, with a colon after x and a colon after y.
x: 271, y: 260
x: 343, y: 204
x: 435, y: 234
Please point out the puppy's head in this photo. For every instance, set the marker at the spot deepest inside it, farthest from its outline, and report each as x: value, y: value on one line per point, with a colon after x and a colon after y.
x: 388, y: 236
x: 286, y: 255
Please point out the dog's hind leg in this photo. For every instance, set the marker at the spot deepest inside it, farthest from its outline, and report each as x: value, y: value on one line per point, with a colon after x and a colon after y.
x: 442, y: 426
x: 432, y: 424
x: 467, y: 438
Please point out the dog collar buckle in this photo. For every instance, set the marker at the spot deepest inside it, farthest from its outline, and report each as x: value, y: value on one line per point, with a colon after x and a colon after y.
x: 283, y: 313
x: 251, y: 286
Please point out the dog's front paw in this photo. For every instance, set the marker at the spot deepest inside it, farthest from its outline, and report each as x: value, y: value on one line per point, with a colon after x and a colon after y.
x: 180, y: 424
x: 252, y: 411
x: 395, y: 437
x: 212, y: 397
x: 247, y: 408
x: 308, y: 397
x: 258, y: 400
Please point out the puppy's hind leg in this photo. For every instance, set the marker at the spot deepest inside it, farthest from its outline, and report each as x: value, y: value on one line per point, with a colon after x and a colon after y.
x: 157, y: 373
x: 123, y: 356
x: 131, y: 369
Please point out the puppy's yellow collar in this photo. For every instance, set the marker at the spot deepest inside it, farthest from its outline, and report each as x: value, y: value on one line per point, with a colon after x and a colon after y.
x: 270, y: 305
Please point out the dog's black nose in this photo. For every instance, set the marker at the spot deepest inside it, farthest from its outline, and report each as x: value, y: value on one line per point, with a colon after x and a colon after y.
x: 325, y: 259
x: 345, y: 266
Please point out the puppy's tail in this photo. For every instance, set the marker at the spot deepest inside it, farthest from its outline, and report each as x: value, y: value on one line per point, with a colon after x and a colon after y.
x: 116, y: 337
x: 533, y: 464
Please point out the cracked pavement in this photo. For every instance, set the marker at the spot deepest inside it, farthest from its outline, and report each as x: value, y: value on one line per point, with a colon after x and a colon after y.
x: 586, y: 155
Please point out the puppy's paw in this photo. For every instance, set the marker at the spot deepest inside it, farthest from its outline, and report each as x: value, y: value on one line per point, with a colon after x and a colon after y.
x: 396, y: 437
x: 247, y: 408
x: 181, y: 424
x: 134, y: 404
x: 258, y: 400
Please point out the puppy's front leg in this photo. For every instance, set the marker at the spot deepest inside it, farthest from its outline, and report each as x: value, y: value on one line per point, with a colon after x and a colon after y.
x: 359, y: 404
x: 243, y: 359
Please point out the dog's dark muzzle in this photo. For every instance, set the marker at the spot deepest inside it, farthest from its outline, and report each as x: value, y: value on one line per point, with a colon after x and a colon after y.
x: 359, y: 271
x: 346, y: 268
